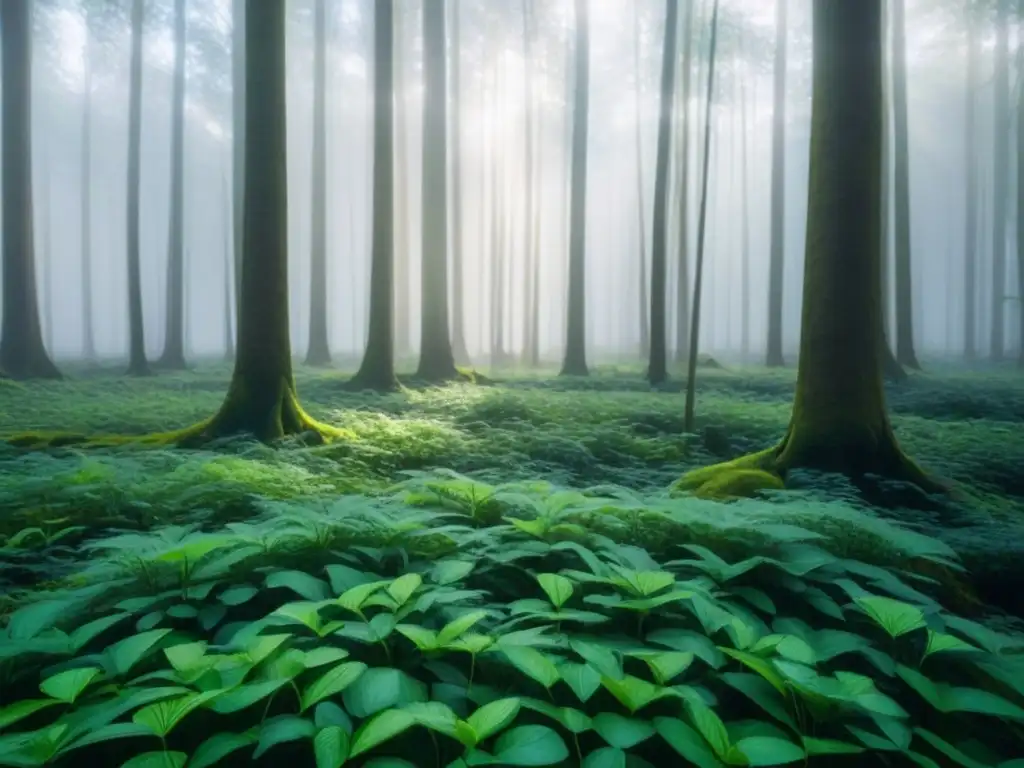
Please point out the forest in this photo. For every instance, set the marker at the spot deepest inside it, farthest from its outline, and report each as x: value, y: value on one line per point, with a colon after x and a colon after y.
x: 598, y: 383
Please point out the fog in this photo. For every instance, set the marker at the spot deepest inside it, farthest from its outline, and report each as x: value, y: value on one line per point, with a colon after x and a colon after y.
x: 493, y: 95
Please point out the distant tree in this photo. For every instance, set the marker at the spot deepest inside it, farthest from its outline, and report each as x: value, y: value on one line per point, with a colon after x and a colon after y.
x: 778, y: 199
x: 575, y: 362
x: 22, y: 352
x: 1001, y: 179
x: 1020, y: 193
x: 377, y: 370
x: 401, y: 278
x: 682, y: 207
x: 319, y: 351
x: 237, y: 142
x: 458, y: 308
x: 657, y: 366
x: 137, y: 363
x: 85, y: 190
x: 970, y: 286
x: 641, y: 211
x: 173, y: 357
x: 531, y: 353
x: 839, y: 419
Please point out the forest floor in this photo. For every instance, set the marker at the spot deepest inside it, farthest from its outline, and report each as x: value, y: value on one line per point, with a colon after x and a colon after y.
x: 488, y: 454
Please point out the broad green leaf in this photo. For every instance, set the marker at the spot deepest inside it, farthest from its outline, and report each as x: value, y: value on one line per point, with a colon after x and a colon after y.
x: 81, y: 636
x: 769, y: 750
x: 605, y: 757
x: 67, y: 686
x: 19, y: 710
x: 401, y: 589
x: 533, y: 664
x: 600, y: 658
x: 281, y: 729
x: 304, y: 612
x: 329, y: 713
x: 186, y: 656
x: 582, y: 678
x: 122, y: 656
x: 380, y: 688
x: 237, y: 596
x: 530, y: 745
x: 163, y: 716
x: 709, y: 725
x: 954, y: 753
x: 330, y: 747
x: 305, y: 586
x: 758, y: 665
x: 947, y: 698
x: 352, y: 599
x: 245, y: 696
x: 380, y: 728
x: 761, y: 692
x: 260, y: 648
x: 157, y: 760
x: 688, y: 642
x: 493, y: 717
x: 558, y: 588
x: 895, y: 617
x: 450, y: 571
x: 454, y: 629
x: 29, y: 620
x: 643, y: 583
x: 815, y: 747
x: 333, y: 681
x: 219, y: 746
x: 321, y: 655
x: 664, y: 665
x: 634, y: 693
x: 687, y: 742
x: 434, y: 716
x: 422, y: 638
x: 622, y: 732
x: 939, y: 641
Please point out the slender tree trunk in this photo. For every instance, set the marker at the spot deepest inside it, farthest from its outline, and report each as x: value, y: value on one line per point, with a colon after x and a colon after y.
x: 971, y: 190
x: 1020, y: 193
x: 778, y: 241
x: 85, y: 201
x: 319, y: 351
x: 402, y: 341
x: 1000, y: 193
x: 173, y: 357
x: 238, y: 139
x: 745, y: 224
x: 529, y: 191
x: 458, y: 309
x: 229, y: 337
x: 46, y: 252
x: 683, y: 209
x: 377, y: 370
x: 645, y: 320
x: 657, y: 368
x: 575, y: 362
x: 437, y: 363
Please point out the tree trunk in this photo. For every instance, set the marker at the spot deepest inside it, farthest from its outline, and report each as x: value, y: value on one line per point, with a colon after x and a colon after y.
x: 85, y: 200
x: 377, y: 370
x: 529, y: 192
x: 229, y: 336
x: 173, y: 357
x: 575, y: 362
x: 1020, y: 194
x: 437, y: 362
x: 905, y: 354
x: 46, y: 241
x: 657, y: 367
x: 22, y: 353
x: 745, y: 225
x: 402, y: 342
x: 137, y: 363
x: 645, y: 306
x: 238, y: 140
x: 971, y: 191
x: 319, y: 351
x: 778, y: 241
x: 458, y: 309
x: 1000, y: 193
x: 683, y: 235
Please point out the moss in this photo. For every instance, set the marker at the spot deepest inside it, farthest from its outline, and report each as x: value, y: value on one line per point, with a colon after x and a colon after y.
x: 737, y: 484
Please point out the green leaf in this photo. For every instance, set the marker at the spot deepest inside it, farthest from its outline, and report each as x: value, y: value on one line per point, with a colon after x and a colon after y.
x: 664, y: 665
x: 246, y: 695
x: 493, y: 717
x: 305, y: 586
x: 423, y: 639
x: 302, y: 612
x: 758, y: 665
x: 163, y: 716
x: 761, y: 692
x: 380, y: 688
x: 605, y: 757
x: 709, y: 725
x: 947, y: 698
x: 450, y: 571
x: 330, y: 747
x: 530, y: 745
x: 939, y: 641
x: 558, y: 588
x: 895, y: 617
x: 29, y: 620
x: 455, y: 628
x: 67, y: 686
x: 600, y: 658
x: 955, y: 754
x: 237, y: 596
x: 333, y: 681
x: 622, y: 732
x: 829, y: 747
x: 281, y: 729
x: 434, y: 716
x: 686, y: 742
x: 402, y: 588
x: 84, y: 634
x: 582, y: 678
x: 329, y: 713
x: 382, y: 727
x: 634, y: 693
x: 19, y: 710
x: 769, y: 750
x: 321, y: 655
x: 123, y: 655
x: 533, y: 664
x: 157, y: 760
x: 219, y: 746
x: 352, y: 599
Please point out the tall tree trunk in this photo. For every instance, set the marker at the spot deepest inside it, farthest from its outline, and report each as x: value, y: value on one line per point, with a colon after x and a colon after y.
x: 238, y: 140
x: 575, y: 362
x: 458, y: 308
x: 745, y: 224
x: 377, y: 370
x: 683, y: 185
x: 402, y: 341
x: 1020, y: 193
x: 173, y: 357
x: 657, y: 367
x: 22, y: 353
x: 85, y: 200
x: 1001, y: 179
x: 645, y: 307
x: 533, y: 337
x: 905, y: 354
x: 137, y: 363
x: 971, y: 190
x: 529, y: 192
x: 778, y: 203
x: 46, y: 251
x: 437, y: 362
x: 319, y: 350
x: 229, y: 336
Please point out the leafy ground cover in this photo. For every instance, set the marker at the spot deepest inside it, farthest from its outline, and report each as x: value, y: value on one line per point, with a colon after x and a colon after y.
x: 501, y: 573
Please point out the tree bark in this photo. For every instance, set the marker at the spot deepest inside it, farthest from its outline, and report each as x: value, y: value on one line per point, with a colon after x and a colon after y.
x: 377, y: 371
x: 22, y: 352
x: 657, y: 367
x: 238, y: 141
x: 575, y: 362
x: 745, y: 225
x: 1001, y: 179
x: 683, y: 208
x: 137, y: 363
x: 1020, y: 194
x: 778, y: 203
x: 85, y: 200
x: 400, y: 277
x: 173, y: 357
x: 529, y: 192
x: 458, y: 309
x: 318, y: 352
x: 645, y: 306
x: 971, y: 191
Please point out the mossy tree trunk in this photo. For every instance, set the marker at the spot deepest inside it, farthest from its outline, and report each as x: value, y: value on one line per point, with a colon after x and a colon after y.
x: 458, y: 325
x: 173, y: 357
x: 437, y: 363
x: 377, y: 370
x: 778, y: 202
x: 85, y: 196
x: 237, y: 142
x: 657, y: 366
x: 905, y: 354
x: 683, y: 193
x: 971, y: 190
x: 319, y: 350
x: 22, y: 352
x: 575, y: 362
x: 137, y: 363
x: 641, y: 211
